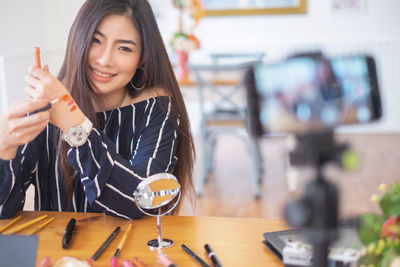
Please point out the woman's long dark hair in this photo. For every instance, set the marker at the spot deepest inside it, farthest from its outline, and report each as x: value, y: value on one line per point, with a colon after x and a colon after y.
x: 158, y: 73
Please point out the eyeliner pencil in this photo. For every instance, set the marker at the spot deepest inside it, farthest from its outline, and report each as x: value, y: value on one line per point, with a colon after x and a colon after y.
x: 10, y: 223
x: 195, y: 256
x: 25, y: 225
x: 106, y: 243
x: 122, y: 242
x: 43, y: 225
x: 212, y: 256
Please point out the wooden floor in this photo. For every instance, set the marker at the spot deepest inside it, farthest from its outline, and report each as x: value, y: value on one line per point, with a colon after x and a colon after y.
x: 228, y: 191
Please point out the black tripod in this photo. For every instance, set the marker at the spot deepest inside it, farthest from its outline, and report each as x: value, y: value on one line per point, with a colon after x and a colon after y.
x: 316, y: 212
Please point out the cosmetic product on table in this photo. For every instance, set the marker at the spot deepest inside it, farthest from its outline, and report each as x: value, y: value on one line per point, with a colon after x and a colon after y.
x: 25, y: 225
x: 165, y: 260
x: 106, y: 243
x: 114, y: 260
x: 68, y: 233
x: 42, y: 225
x: 212, y: 256
x: 10, y: 223
x: 195, y: 256
x: 137, y: 262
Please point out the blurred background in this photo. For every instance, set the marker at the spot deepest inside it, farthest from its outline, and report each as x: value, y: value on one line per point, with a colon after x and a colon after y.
x: 197, y: 31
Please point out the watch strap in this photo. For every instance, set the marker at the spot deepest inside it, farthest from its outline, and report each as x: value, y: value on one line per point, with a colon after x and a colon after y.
x: 87, y: 125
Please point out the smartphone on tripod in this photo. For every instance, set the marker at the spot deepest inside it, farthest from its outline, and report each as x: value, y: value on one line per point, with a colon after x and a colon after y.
x: 312, y: 93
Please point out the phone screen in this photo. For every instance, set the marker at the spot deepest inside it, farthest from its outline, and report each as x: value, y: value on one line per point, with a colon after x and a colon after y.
x: 313, y: 93
x: 358, y: 80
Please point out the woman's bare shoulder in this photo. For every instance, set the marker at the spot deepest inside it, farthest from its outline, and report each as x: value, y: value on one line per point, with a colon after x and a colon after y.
x: 149, y: 93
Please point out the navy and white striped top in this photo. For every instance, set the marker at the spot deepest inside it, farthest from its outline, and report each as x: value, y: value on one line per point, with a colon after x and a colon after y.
x: 132, y: 142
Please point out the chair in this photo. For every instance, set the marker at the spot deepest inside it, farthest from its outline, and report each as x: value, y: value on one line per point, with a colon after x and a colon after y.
x: 223, y: 108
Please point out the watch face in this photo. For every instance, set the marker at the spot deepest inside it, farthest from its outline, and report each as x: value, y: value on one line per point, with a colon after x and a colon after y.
x: 76, y: 137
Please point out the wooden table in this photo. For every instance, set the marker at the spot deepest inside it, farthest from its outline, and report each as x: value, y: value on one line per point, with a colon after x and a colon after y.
x: 236, y: 241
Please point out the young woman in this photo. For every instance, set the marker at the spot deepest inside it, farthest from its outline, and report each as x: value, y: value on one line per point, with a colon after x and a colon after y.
x: 117, y: 117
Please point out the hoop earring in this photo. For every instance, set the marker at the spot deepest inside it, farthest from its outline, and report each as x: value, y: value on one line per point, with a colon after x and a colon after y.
x: 141, y: 87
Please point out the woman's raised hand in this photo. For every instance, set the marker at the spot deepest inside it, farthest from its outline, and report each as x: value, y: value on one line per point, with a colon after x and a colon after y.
x: 41, y: 84
x: 16, y: 128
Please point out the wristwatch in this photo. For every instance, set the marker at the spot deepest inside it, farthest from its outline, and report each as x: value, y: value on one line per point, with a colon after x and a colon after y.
x: 77, y: 136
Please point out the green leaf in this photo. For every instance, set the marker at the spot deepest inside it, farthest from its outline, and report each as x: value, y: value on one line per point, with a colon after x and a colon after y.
x: 387, y: 258
x: 367, y: 259
x: 370, y: 227
x: 390, y: 201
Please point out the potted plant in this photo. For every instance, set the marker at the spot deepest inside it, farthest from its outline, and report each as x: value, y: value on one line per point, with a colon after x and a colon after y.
x: 380, y: 233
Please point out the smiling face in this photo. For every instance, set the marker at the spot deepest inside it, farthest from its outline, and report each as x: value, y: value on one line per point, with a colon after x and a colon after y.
x: 113, y: 58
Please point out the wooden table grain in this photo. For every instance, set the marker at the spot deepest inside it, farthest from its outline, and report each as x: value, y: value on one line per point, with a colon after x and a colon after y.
x: 236, y: 241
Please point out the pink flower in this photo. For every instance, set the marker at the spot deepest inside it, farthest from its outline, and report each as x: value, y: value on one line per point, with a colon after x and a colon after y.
x: 391, y: 228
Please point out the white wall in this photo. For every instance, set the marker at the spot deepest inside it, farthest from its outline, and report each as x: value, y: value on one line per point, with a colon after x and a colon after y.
x: 25, y: 24
x: 319, y: 24
x: 46, y: 23
x: 375, y: 31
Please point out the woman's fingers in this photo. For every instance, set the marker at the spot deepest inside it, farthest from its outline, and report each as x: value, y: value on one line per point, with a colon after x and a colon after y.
x: 32, y: 92
x: 33, y: 82
x: 16, y: 128
x: 40, y: 74
x: 36, y: 72
x: 47, y: 85
x: 27, y: 134
x: 20, y: 128
x: 40, y: 83
x: 20, y: 109
x: 19, y: 123
x: 23, y: 130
